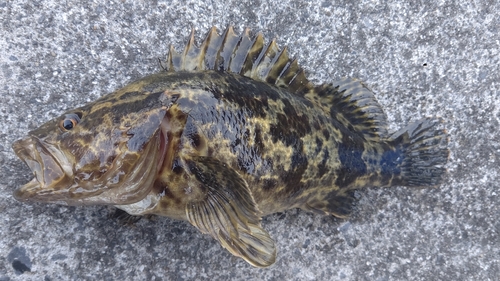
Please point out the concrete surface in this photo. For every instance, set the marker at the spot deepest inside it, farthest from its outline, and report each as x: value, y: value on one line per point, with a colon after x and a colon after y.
x: 421, y: 60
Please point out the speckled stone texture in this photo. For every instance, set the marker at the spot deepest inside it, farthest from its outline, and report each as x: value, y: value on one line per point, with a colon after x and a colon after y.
x: 421, y: 59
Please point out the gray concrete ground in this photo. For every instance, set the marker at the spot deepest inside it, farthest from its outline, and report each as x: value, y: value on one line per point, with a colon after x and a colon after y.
x: 421, y: 59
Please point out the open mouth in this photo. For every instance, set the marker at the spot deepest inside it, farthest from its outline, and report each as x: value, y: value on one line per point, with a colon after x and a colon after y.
x: 45, y: 167
x: 126, y: 180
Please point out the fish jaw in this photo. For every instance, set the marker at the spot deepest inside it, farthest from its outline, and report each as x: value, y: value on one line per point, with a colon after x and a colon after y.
x: 50, y: 173
x: 128, y: 180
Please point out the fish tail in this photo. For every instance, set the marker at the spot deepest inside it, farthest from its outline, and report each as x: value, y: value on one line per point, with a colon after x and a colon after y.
x: 419, y: 154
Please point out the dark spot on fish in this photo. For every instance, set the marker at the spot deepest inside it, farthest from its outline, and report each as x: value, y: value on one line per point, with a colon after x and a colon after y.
x: 353, y: 166
x: 326, y: 134
x: 264, y: 101
x: 351, y: 128
x: 322, y: 169
x: 128, y: 95
x: 171, y: 197
x: 115, y: 119
x: 288, y: 109
x: 269, y: 184
x: 158, y: 187
x: 234, y: 144
x: 259, y: 143
x: 240, y: 116
x: 283, y: 134
x: 177, y: 166
x: 316, y: 125
x: 374, y: 177
x: 246, y: 136
x: 178, y: 170
x: 307, y: 103
x: 282, y: 121
x: 319, y: 145
x: 196, y: 140
x: 299, y: 164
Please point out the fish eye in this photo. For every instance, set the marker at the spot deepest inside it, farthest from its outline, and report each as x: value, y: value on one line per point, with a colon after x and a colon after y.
x: 70, y: 121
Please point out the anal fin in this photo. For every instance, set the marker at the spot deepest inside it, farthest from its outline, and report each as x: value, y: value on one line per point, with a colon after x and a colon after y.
x: 228, y: 212
x: 338, y: 203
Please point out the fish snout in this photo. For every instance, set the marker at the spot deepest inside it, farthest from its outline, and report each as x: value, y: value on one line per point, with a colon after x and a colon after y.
x: 49, y: 175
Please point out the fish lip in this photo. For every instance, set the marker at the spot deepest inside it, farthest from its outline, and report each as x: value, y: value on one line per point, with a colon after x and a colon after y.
x: 30, y: 150
x: 25, y: 150
x: 25, y: 192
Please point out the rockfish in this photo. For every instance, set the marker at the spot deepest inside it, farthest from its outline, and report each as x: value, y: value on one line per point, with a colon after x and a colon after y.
x: 226, y: 133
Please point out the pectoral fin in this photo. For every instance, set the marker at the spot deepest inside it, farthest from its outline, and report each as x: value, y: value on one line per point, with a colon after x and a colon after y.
x: 229, y: 213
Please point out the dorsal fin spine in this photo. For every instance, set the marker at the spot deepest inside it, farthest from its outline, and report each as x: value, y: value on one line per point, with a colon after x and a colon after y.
x: 186, y: 50
x: 191, y: 55
x: 213, y: 48
x: 267, y: 61
x: 276, y: 66
x: 241, y: 54
x: 258, y: 60
x: 228, y: 46
x: 170, y: 62
x: 252, y: 55
x: 175, y: 59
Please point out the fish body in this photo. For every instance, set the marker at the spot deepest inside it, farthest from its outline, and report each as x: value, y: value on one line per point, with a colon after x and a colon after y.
x: 229, y: 132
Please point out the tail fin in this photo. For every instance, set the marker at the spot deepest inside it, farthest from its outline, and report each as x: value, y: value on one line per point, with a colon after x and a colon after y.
x: 425, y: 151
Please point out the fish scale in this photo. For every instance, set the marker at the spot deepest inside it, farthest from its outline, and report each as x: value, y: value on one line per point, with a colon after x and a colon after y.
x: 231, y: 131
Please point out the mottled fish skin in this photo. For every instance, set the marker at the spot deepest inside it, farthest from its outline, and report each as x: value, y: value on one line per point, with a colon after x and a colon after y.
x: 284, y: 147
x: 232, y: 131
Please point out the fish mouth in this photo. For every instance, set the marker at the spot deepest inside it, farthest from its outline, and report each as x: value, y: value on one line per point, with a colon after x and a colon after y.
x: 50, y: 173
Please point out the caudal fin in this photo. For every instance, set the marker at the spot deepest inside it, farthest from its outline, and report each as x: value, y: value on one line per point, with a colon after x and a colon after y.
x: 425, y: 153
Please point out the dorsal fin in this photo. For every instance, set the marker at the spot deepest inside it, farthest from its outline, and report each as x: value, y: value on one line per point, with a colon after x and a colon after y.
x: 347, y: 100
x: 244, y: 55
x: 354, y: 105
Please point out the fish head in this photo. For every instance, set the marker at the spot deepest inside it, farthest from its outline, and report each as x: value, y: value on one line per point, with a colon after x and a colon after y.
x: 106, y: 152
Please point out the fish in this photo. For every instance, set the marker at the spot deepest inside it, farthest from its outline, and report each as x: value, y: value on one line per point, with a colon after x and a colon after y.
x: 230, y: 130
